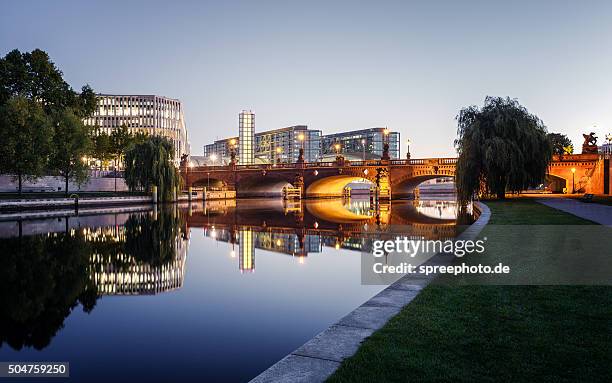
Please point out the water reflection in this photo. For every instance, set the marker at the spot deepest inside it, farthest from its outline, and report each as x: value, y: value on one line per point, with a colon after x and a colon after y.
x: 50, y: 268
x: 300, y: 228
x: 44, y: 277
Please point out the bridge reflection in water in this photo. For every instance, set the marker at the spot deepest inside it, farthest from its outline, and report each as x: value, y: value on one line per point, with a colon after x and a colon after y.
x: 299, y: 228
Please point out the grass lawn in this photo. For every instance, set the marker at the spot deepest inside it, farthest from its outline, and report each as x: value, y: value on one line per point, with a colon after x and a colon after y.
x: 494, y: 333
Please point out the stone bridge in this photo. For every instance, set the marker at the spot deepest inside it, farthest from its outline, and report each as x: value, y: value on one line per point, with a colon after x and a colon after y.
x: 582, y: 173
x: 394, y: 178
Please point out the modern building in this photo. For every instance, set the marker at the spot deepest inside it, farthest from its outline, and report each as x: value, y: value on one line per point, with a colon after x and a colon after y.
x: 150, y: 114
x: 272, y: 146
x: 357, y: 144
x: 246, y: 137
x: 283, y: 145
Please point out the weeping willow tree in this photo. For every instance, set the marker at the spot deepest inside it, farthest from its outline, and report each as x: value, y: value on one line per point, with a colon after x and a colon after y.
x: 502, y: 148
x: 148, y: 163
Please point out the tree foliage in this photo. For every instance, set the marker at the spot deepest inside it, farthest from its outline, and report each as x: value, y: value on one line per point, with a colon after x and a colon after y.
x: 501, y: 147
x: 560, y: 143
x: 25, y: 132
x: 32, y: 76
x: 149, y: 163
x: 71, y: 142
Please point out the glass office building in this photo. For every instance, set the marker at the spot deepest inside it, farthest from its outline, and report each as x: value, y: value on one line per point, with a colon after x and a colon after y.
x: 283, y: 145
x: 150, y: 114
x: 246, y: 130
x: 272, y: 146
x: 356, y: 144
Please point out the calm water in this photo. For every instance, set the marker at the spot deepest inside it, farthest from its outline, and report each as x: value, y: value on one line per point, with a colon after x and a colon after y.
x: 207, y: 293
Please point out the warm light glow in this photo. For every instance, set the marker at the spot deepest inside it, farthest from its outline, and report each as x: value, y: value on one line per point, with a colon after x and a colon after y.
x: 365, y: 171
x: 386, y: 131
x: 337, y: 146
x: 233, y: 142
x: 213, y: 157
x: 301, y: 136
x: 363, y: 141
x: 278, y: 150
x: 337, y: 246
x: 301, y: 260
x: 573, y: 170
x: 279, y: 242
x: 316, y: 172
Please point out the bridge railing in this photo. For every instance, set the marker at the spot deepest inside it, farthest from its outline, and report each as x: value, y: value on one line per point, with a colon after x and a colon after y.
x: 329, y: 164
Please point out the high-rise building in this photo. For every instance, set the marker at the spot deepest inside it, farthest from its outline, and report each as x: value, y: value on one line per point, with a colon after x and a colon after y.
x: 246, y: 137
x: 150, y: 114
x: 356, y: 144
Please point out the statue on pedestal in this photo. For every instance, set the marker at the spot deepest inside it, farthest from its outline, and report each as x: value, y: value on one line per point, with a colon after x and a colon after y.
x: 590, y: 143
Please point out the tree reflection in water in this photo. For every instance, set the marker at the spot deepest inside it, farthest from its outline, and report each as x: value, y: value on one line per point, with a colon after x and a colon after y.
x: 43, y: 278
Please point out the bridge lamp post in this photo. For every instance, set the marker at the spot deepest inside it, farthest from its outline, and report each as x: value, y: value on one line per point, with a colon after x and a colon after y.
x: 363, y: 144
x: 337, y: 147
x: 301, y: 139
x: 385, y: 155
x: 408, y: 149
x: 573, y: 181
x: 278, y: 153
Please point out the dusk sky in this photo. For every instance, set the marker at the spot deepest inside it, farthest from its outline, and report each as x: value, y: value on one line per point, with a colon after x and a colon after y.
x: 334, y: 65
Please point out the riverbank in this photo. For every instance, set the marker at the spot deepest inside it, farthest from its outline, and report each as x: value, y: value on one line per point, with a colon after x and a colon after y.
x: 318, y: 358
x: 494, y: 333
x: 8, y: 207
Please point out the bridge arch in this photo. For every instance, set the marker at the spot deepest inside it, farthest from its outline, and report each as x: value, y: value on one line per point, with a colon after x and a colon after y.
x: 259, y: 185
x: 333, y: 185
x: 405, y: 187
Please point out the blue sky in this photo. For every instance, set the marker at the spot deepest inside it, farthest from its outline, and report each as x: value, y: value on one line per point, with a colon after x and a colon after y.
x: 334, y: 65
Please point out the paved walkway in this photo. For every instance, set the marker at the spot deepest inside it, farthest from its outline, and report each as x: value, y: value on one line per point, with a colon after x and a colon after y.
x: 595, y: 212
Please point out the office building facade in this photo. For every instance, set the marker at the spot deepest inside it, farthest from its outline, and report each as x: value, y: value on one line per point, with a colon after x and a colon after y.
x: 149, y: 114
x: 272, y: 146
x: 356, y: 144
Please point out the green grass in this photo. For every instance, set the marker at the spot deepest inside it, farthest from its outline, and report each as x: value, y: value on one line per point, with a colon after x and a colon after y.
x: 494, y: 333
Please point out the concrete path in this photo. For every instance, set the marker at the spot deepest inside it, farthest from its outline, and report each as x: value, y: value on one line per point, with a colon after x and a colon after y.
x: 318, y: 358
x: 595, y: 212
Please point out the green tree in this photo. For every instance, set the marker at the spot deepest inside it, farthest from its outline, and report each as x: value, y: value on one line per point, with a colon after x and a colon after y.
x: 71, y: 142
x: 25, y: 132
x: 149, y: 163
x: 560, y: 143
x: 102, y: 146
x: 501, y: 147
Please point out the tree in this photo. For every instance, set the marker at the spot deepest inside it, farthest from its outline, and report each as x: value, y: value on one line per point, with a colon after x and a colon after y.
x: 102, y: 146
x: 120, y: 139
x: 501, y: 147
x: 71, y: 141
x: 25, y: 132
x: 560, y: 143
x: 149, y: 163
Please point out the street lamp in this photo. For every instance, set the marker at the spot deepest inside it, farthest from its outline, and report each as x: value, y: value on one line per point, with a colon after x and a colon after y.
x: 278, y: 153
x: 301, y: 139
x: 233, y: 151
x: 385, y: 155
x: 337, y: 147
x: 363, y: 143
x: 408, y: 149
x: 573, y: 181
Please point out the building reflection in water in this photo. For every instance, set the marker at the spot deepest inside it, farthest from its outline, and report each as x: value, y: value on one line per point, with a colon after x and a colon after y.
x: 299, y: 228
